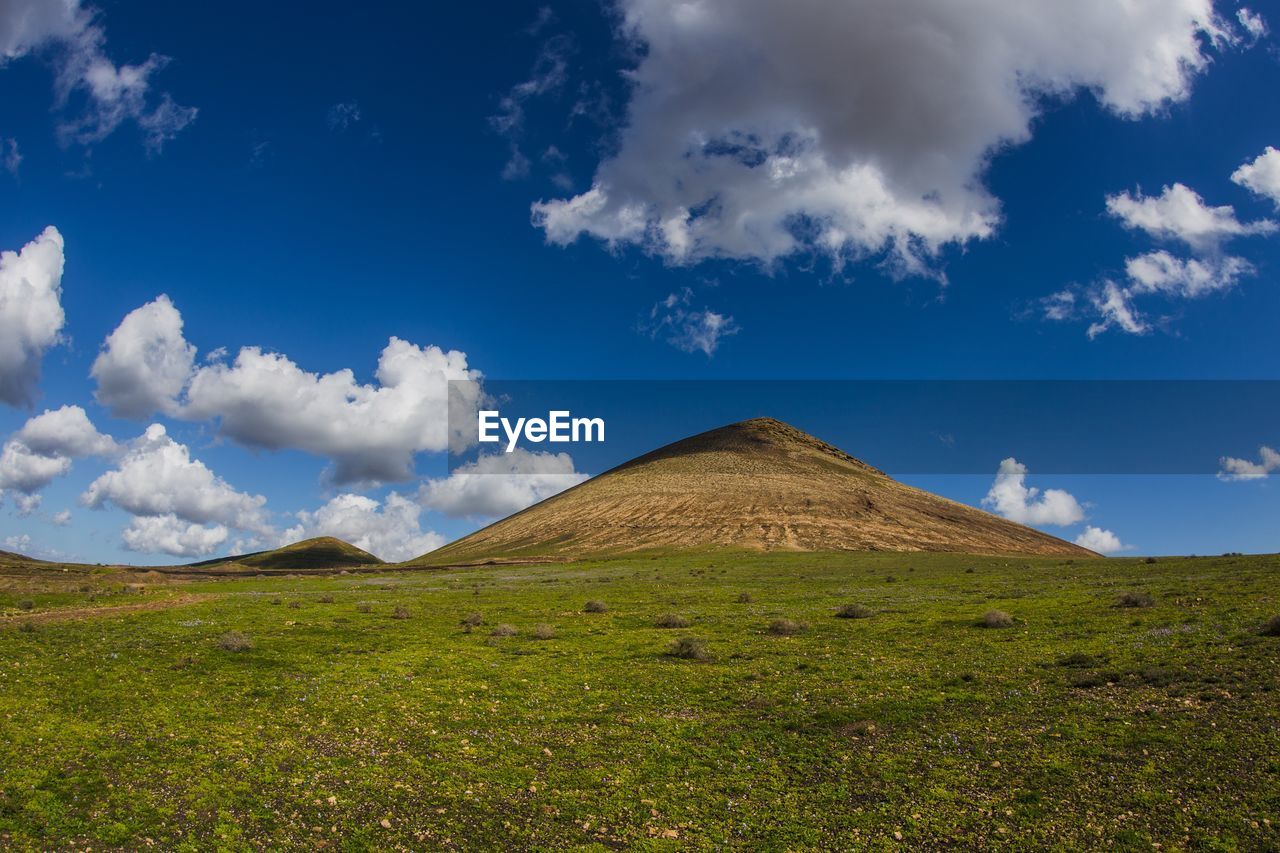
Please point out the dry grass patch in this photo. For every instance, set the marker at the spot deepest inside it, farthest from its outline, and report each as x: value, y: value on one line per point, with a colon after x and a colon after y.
x: 672, y: 620
x: 787, y: 627
x: 235, y: 641
x: 854, y: 611
x: 996, y: 619
x: 688, y: 648
x: 595, y: 607
x: 1135, y: 599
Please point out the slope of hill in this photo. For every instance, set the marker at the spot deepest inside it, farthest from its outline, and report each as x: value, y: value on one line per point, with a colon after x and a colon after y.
x: 759, y: 484
x: 324, y: 552
x: 11, y: 557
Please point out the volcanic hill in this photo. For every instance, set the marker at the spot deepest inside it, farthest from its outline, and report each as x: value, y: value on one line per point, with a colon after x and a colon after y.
x: 323, y: 552
x: 759, y: 484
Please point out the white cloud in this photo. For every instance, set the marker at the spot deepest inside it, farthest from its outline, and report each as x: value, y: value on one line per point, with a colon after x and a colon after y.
x: 31, y: 316
x: 1179, y: 213
x: 1102, y: 541
x: 1115, y: 310
x: 500, y: 484
x: 758, y: 129
x: 1233, y: 468
x: 65, y: 432
x: 45, y: 447
x: 1252, y: 23
x: 74, y: 38
x: 157, y: 476
x: 1262, y: 175
x: 144, y: 363
x: 1010, y: 497
x: 12, y: 156
x: 388, y: 530
x: 61, y: 518
x: 342, y: 116
x: 687, y: 329
x: 170, y: 535
x: 20, y: 543
x: 370, y: 432
x: 1161, y: 272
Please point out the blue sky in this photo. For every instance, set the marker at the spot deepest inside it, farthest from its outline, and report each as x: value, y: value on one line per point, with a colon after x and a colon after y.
x: 609, y: 191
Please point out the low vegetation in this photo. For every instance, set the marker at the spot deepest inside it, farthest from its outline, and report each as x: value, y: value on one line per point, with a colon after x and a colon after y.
x: 1086, y: 726
x: 672, y: 620
x: 996, y: 619
x: 854, y: 611
x: 1135, y: 599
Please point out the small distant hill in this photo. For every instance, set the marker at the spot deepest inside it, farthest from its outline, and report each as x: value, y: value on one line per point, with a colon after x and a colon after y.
x: 11, y: 557
x: 323, y: 552
x: 759, y: 484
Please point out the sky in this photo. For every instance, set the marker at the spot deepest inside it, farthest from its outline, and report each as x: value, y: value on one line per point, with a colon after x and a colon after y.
x: 242, y: 263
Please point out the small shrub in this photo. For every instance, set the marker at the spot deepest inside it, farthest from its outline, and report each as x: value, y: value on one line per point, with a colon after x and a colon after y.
x: 544, y: 632
x: 786, y: 627
x: 1272, y: 628
x: 1078, y: 660
x: 400, y: 612
x: 295, y: 604
x: 27, y: 627
x: 276, y: 600
x: 689, y: 648
x: 1151, y: 561
x: 853, y: 611
x: 26, y: 604
x: 890, y: 579
x: 744, y: 598
x: 326, y: 599
x: 472, y: 620
x: 969, y: 571
x: 594, y: 606
x: 504, y: 631
x: 1135, y: 599
x: 672, y: 620
x: 996, y: 619
x: 235, y: 641
x: 364, y: 607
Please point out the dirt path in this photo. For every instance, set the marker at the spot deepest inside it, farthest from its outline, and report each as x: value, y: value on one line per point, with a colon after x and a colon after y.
x: 68, y: 614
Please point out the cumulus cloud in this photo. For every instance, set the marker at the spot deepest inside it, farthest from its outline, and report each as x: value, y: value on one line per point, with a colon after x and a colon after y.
x: 500, y: 484
x: 1102, y: 541
x: 168, y: 534
x: 73, y: 37
x: 31, y: 316
x: 158, y: 477
x: 389, y: 530
x: 1179, y: 213
x: 758, y: 129
x: 1261, y: 175
x: 44, y: 449
x: 1233, y: 468
x: 688, y: 329
x: 145, y: 363
x: 61, y: 518
x: 370, y: 432
x: 1010, y: 497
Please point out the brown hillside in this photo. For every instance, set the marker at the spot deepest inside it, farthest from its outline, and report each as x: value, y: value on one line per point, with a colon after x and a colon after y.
x: 758, y: 484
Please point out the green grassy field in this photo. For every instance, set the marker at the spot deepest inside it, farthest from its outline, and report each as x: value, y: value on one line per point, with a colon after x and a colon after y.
x: 1083, y: 723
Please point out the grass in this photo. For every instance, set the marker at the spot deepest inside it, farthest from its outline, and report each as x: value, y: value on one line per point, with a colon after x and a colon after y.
x: 1082, y: 725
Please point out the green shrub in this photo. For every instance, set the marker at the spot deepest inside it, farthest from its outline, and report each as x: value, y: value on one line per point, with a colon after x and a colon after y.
x: 275, y: 600
x: 26, y: 604
x: 295, y: 604
x: 996, y: 619
x: 672, y: 620
x: 364, y: 607
x: 472, y: 620
x: 504, y: 631
x: 594, y: 606
x: 744, y: 598
x: 1135, y: 599
x: 786, y: 627
x: 1272, y: 628
x: 400, y: 612
x: 689, y: 648
x: 326, y: 599
x: 853, y: 611
x: 235, y: 641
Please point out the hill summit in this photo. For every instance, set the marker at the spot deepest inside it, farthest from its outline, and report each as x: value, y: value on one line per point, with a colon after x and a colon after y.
x: 759, y: 484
